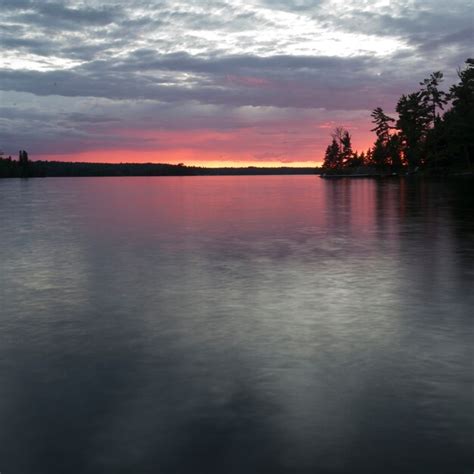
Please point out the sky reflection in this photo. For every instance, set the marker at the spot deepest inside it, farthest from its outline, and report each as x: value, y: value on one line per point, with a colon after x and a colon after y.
x: 235, y: 324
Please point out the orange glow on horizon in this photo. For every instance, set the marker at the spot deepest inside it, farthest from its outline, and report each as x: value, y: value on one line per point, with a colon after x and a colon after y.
x: 187, y: 157
x: 272, y: 147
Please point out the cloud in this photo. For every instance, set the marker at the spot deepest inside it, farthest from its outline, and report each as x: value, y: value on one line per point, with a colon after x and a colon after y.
x: 236, y: 81
x: 56, y: 14
x: 81, y: 73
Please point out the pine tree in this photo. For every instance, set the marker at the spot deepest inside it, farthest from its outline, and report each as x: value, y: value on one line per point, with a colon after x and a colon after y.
x: 383, y: 148
x: 332, y: 157
x: 432, y: 96
x: 382, y: 123
x: 413, y: 122
x: 459, y: 121
x: 346, y: 149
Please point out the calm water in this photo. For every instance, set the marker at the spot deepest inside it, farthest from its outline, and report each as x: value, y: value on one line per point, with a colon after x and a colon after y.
x: 236, y: 325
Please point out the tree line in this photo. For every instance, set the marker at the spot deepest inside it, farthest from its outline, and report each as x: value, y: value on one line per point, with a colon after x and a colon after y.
x: 434, y: 132
x: 25, y: 168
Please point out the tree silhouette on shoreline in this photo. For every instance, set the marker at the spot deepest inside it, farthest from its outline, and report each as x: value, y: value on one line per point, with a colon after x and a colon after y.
x: 424, y: 136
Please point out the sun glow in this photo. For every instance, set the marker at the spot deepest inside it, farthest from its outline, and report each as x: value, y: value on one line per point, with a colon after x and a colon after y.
x: 186, y: 157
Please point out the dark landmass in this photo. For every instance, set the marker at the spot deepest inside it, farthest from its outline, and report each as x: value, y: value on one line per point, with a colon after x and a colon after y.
x: 432, y: 136
x: 24, y: 168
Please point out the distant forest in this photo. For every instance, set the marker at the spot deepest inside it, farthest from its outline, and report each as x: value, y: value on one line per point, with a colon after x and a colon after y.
x: 434, y: 133
x: 24, y: 168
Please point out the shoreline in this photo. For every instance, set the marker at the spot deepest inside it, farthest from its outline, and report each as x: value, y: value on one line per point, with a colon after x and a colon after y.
x: 46, y: 169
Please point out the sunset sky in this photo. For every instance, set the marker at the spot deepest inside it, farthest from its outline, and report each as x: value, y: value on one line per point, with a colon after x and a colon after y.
x: 214, y: 82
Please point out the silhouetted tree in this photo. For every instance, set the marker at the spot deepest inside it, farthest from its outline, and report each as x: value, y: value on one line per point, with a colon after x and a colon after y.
x: 385, y: 154
x: 434, y: 99
x: 339, y: 153
x: 380, y: 156
x: 413, y: 122
x: 394, y: 152
x: 347, y: 153
x: 23, y: 163
x: 356, y: 160
x: 368, y: 156
x: 332, y: 158
x: 459, y: 121
x: 432, y: 96
x: 382, y: 123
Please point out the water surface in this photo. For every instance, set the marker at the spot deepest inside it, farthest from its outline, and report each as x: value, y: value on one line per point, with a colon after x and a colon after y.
x: 236, y: 324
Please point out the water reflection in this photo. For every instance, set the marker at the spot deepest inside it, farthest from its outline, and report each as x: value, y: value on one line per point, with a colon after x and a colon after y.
x: 235, y: 324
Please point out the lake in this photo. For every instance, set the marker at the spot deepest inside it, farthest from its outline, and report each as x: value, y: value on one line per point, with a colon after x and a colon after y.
x: 279, y: 324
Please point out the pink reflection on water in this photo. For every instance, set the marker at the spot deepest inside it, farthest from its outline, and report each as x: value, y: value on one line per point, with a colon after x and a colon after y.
x: 226, y: 207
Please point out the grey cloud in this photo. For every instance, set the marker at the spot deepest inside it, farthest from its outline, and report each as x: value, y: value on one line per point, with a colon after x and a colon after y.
x: 278, y: 81
x: 54, y: 13
x: 81, y: 117
x: 426, y: 26
x: 149, y: 59
x: 88, y: 32
x: 137, y: 66
x: 95, y: 16
x: 420, y: 23
x: 295, y: 6
x: 15, y: 4
x: 33, y: 45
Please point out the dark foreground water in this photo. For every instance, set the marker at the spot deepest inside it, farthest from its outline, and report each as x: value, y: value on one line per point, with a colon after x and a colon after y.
x: 236, y: 325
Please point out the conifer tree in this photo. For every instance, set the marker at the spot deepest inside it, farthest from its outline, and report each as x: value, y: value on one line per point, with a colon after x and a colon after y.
x: 413, y: 122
